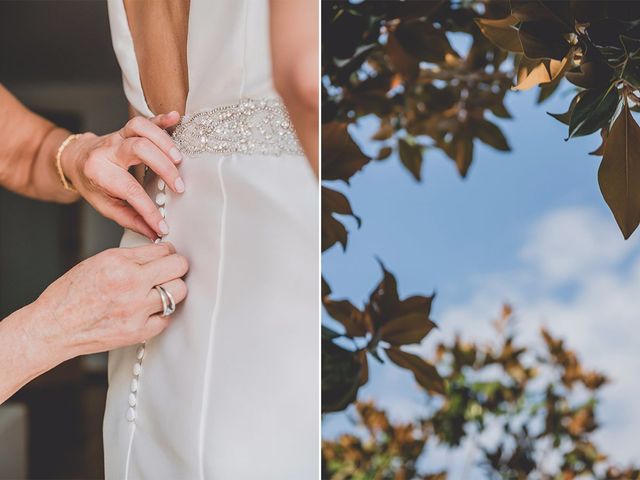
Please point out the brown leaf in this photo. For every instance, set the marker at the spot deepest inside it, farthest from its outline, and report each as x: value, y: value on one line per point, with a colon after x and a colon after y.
x: 349, y: 316
x: 335, y: 202
x: 401, y: 61
x: 532, y: 72
x: 341, y: 157
x: 333, y: 231
x: 425, y: 373
x: 384, y: 132
x: 619, y: 173
x: 502, y: 33
x: 407, y: 329
x: 462, y: 147
x: 411, y: 157
x: 491, y: 134
x: 604, y: 133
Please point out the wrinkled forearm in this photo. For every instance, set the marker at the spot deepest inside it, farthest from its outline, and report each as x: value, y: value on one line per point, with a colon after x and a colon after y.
x: 27, y: 152
x: 23, y: 353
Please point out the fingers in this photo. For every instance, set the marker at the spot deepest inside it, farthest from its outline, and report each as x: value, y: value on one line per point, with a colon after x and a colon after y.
x: 165, y: 269
x: 155, y: 325
x: 125, y: 216
x: 166, y: 120
x: 122, y: 185
x: 178, y: 290
x: 141, y: 150
x: 148, y: 253
x: 141, y: 127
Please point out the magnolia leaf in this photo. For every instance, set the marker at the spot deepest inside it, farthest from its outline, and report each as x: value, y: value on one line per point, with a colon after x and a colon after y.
x: 631, y: 70
x: 325, y: 288
x: 341, y: 377
x: 341, y: 157
x: 423, y: 41
x: 403, y: 63
x: 364, y: 371
x: 540, y: 39
x: 499, y: 110
x: 384, y: 152
x: 416, y: 303
x: 411, y: 157
x: 407, y: 329
x: 425, y: 373
x: 537, y: 71
x: 619, y: 172
x: 502, y: 33
x: 462, y: 147
x: 384, y: 132
x: 332, y: 232
x: 336, y: 202
x: 566, y: 116
x: 329, y: 334
x: 352, y: 319
x: 384, y: 300
x: 593, y: 111
x: 604, y: 133
x: 490, y: 134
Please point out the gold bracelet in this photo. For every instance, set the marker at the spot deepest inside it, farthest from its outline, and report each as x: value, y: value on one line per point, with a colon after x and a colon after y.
x: 63, y: 179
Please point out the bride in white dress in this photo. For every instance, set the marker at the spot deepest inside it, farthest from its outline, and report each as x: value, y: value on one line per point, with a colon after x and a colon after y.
x: 231, y: 389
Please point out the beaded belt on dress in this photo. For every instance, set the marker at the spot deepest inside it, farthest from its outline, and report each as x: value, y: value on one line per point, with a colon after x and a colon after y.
x: 249, y: 127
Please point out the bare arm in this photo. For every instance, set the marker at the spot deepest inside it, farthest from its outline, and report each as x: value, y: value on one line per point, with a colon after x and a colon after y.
x: 294, y: 52
x: 106, y: 302
x: 97, y: 166
x: 27, y: 152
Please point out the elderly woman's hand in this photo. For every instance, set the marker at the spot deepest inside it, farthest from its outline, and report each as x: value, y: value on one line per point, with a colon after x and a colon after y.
x: 107, y: 301
x: 98, y: 167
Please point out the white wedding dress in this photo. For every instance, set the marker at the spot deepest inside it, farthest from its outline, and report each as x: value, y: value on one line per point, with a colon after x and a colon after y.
x: 230, y: 391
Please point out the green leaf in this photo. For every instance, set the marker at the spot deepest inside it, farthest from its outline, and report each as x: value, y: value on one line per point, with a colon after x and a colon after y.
x: 425, y: 374
x: 593, y: 111
x: 566, y: 116
x: 342, y: 372
x: 490, y: 134
x: 502, y: 33
x: 411, y: 157
x: 619, y: 173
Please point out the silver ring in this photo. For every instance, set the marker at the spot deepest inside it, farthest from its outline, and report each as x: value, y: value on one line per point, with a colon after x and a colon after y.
x: 168, y: 303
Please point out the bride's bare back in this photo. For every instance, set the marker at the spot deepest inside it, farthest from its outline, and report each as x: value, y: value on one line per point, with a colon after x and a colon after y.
x: 159, y: 29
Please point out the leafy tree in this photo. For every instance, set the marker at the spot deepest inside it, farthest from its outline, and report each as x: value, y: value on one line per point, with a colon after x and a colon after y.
x: 394, y: 60
x: 539, y: 395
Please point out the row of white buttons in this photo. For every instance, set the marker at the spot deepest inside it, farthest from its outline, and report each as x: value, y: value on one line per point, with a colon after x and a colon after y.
x: 133, y: 395
x: 161, y: 199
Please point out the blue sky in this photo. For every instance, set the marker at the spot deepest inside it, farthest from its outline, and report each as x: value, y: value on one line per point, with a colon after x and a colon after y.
x: 529, y: 227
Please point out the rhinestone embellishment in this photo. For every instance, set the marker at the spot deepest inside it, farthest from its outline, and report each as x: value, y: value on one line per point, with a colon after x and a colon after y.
x: 248, y: 127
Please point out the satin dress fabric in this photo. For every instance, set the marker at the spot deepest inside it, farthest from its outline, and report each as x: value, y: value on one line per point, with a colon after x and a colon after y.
x: 231, y: 389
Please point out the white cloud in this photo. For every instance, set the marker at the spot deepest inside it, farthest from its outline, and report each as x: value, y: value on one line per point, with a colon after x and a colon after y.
x: 570, y: 243
x: 581, y: 280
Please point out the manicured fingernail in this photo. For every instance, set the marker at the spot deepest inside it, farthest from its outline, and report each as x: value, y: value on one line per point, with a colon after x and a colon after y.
x: 179, y: 185
x: 164, y: 228
x: 175, y: 154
